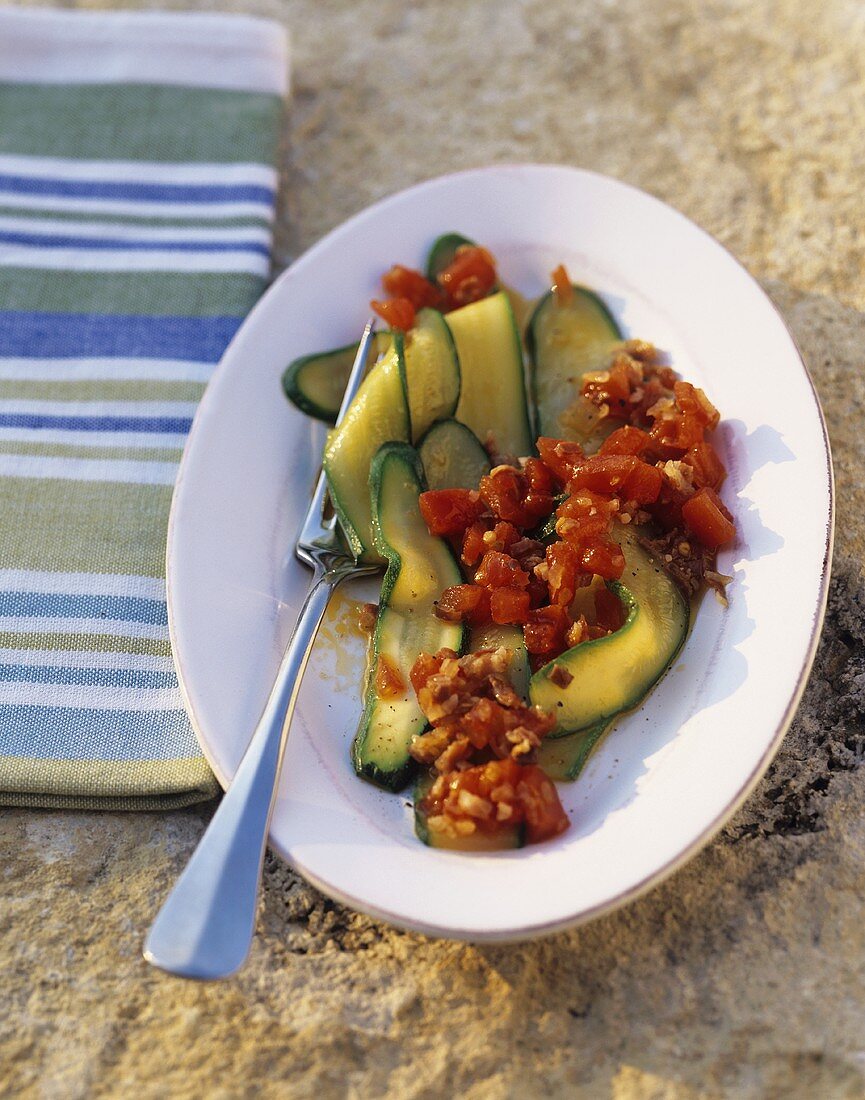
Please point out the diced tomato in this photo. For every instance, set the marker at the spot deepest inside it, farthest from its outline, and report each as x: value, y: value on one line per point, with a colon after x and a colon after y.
x: 545, y: 631
x: 562, y: 286
x: 707, y: 466
x: 525, y: 791
x: 397, y: 313
x: 625, y: 475
x: 405, y: 282
x: 604, y: 558
x: 449, y: 511
x: 627, y: 440
x: 509, y: 605
x: 427, y: 665
x: 499, y: 570
x: 507, y: 494
x: 469, y: 277
x: 389, y: 682
x: 561, y: 456
x: 544, y: 814
x: 539, y: 475
x: 504, y: 535
x: 592, y: 513
x: 473, y: 542
x: 464, y: 603
x: 563, y: 565
x: 609, y: 613
x: 706, y: 516
x: 613, y: 387
x: 694, y: 413
x: 694, y: 403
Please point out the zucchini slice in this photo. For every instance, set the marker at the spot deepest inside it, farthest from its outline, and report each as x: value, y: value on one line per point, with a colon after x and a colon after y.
x: 512, y: 837
x: 316, y: 383
x: 493, y: 636
x: 493, y: 396
x: 432, y: 371
x: 565, y: 757
x: 565, y: 340
x: 419, y: 566
x: 379, y: 413
x: 452, y: 456
x: 613, y: 674
x: 442, y: 253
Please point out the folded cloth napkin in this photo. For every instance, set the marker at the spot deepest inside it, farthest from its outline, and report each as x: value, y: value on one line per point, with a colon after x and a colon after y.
x: 136, y: 198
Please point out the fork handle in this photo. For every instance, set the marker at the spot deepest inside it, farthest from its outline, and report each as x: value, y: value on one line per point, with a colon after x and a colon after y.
x: 205, y: 926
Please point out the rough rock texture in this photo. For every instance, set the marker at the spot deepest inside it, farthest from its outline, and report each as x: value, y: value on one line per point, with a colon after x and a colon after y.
x: 744, y: 974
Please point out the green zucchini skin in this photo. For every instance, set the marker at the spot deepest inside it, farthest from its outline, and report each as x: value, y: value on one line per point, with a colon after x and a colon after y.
x: 492, y: 405
x: 432, y: 372
x: 452, y: 456
x: 379, y: 413
x: 419, y: 566
x: 442, y: 253
x: 315, y: 383
x: 564, y: 341
x: 513, y: 837
x: 613, y: 674
x: 563, y: 758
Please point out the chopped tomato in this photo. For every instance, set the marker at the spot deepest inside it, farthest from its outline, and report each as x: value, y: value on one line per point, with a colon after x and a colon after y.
x: 499, y: 570
x: 625, y: 475
x: 449, y: 511
x: 502, y: 537
x: 707, y: 466
x: 562, y: 286
x: 464, y: 603
x: 539, y: 474
x: 563, y: 565
x: 604, y: 558
x: 609, y: 613
x: 405, y: 282
x: 561, y: 456
x: 474, y: 545
x: 627, y: 440
x: 613, y: 387
x: 398, y: 313
x: 544, y: 814
x: 507, y: 493
x: 706, y: 516
x: 545, y: 631
x: 389, y: 682
x: 592, y: 513
x: 470, y: 276
x: 509, y: 605
x: 498, y: 795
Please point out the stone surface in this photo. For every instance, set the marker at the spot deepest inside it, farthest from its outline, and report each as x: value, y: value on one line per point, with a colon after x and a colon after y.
x: 744, y: 974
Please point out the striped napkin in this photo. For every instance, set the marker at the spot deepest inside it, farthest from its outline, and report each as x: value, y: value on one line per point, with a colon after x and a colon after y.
x: 136, y: 198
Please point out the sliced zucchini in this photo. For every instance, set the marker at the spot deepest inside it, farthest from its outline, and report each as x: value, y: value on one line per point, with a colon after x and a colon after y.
x: 378, y: 414
x: 316, y: 383
x: 432, y: 372
x: 493, y: 636
x: 493, y: 396
x: 452, y: 456
x: 612, y: 674
x: 442, y: 253
x: 565, y: 757
x: 419, y: 566
x: 565, y: 340
x: 512, y: 837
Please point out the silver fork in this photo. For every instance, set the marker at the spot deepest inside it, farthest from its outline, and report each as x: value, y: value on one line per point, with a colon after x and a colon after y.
x: 205, y: 927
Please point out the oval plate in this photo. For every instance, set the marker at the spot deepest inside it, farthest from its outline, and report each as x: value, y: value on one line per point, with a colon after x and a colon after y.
x: 672, y: 772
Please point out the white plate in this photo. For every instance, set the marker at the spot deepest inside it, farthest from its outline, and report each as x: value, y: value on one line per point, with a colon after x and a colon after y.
x: 670, y: 774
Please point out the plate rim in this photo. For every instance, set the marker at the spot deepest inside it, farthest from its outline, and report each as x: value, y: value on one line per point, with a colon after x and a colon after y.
x: 704, y: 837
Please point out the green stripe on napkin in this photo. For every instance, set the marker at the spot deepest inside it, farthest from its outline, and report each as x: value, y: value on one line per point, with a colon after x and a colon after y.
x: 136, y: 196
